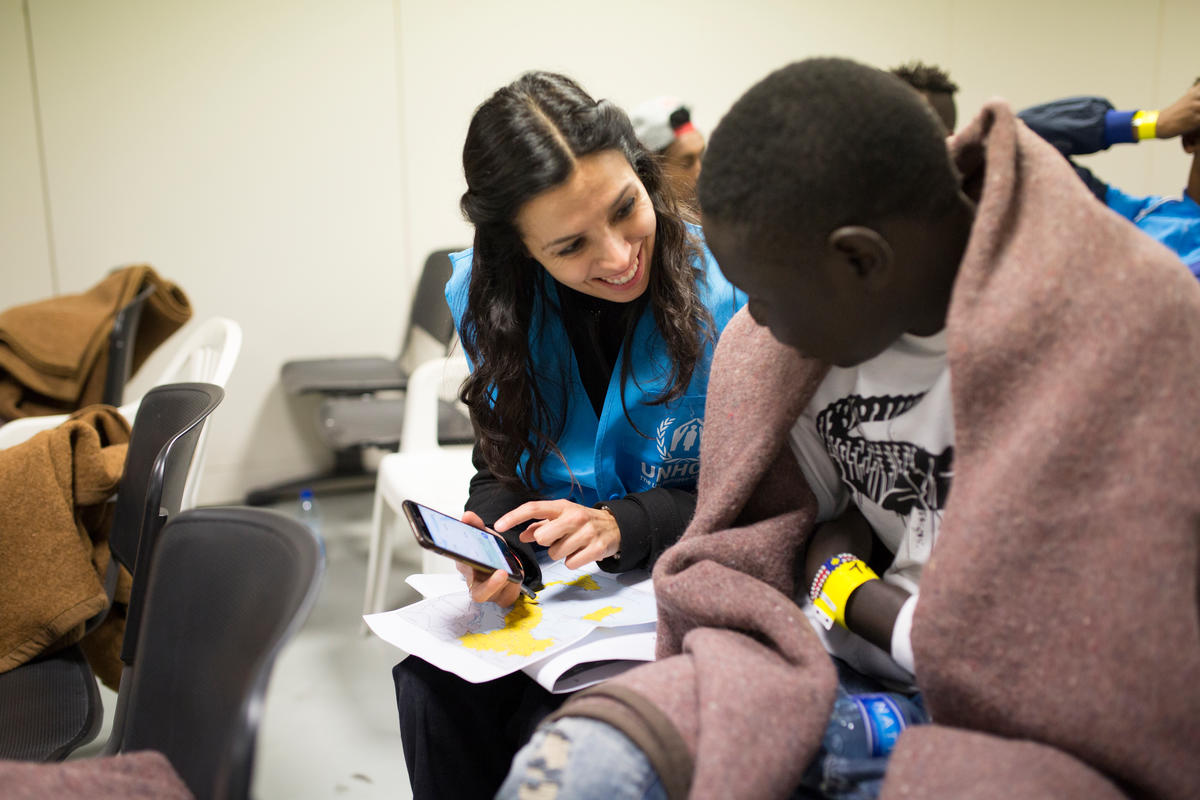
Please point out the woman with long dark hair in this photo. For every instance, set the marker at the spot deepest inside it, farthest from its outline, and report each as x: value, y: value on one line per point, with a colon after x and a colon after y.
x: 589, y: 310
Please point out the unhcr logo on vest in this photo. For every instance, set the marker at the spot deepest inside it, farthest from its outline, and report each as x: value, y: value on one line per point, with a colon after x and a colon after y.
x: 679, y: 450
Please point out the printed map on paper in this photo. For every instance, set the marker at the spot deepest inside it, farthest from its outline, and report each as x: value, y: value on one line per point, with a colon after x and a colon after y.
x: 482, y: 641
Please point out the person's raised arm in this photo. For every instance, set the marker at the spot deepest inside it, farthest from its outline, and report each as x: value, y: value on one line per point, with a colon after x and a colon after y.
x: 1182, y: 116
x: 1079, y: 126
x: 1075, y: 126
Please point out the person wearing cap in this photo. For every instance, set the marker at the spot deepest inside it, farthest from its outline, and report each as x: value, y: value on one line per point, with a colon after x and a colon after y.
x: 664, y: 126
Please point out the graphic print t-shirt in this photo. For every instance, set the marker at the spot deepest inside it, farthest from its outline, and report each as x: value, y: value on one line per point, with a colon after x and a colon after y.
x: 881, y: 435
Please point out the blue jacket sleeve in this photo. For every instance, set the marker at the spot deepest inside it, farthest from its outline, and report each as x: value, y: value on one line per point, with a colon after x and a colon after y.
x: 1078, y: 126
x: 1074, y: 126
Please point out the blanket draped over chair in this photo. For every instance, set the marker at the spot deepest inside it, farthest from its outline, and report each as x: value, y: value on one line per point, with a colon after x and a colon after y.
x: 1057, y: 635
x: 53, y: 353
x: 54, y: 520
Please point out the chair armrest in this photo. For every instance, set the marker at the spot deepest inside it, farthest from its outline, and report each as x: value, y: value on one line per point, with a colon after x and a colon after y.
x: 20, y: 430
x: 358, y: 375
x: 16, y: 431
x: 420, y: 431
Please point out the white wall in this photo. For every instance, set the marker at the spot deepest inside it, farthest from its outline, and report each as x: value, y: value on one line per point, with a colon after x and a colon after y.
x: 249, y: 151
x: 25, y: 264
x: 454, y: 53
x: 291, y: 162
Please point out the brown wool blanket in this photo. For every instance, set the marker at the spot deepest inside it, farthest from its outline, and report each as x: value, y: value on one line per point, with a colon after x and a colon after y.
x: 1057, y: 636
x: 54, y: 353
x: 144, y: 775
x: 54, y: 517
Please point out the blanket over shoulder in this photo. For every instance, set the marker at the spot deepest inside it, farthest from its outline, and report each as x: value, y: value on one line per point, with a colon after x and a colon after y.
x: 1057, y: 637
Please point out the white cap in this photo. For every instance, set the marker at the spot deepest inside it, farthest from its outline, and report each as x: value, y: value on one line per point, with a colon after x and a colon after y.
x: 658, y: 121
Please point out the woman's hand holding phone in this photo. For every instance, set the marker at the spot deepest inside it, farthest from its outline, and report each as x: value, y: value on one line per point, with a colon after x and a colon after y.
x: 576, y: 535
x: 494, y: 587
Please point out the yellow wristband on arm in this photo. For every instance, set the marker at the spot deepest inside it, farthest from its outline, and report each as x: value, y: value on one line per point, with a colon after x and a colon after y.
x: 1145, y: 124
x: 846, y: 573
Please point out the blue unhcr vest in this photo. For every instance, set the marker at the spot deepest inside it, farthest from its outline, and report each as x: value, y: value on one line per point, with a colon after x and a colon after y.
x: 607, y: 458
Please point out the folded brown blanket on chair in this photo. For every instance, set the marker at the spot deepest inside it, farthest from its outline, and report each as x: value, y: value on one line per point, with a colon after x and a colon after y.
x: 54, y: 353
x: 54, y: 517
x: 1057, y: 635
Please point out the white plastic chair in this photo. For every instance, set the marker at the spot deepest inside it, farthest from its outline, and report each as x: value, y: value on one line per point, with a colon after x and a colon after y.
x: 422, y: 470
x: 207, y: 355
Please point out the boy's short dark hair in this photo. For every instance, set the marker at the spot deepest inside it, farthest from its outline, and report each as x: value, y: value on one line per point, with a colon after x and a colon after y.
x: 823, y: 143
x: 925, y: 77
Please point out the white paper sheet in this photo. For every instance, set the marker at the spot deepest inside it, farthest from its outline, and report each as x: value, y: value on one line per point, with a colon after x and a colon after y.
x: 482, y: 641
x: 608, y: 651
x: 436, y: 584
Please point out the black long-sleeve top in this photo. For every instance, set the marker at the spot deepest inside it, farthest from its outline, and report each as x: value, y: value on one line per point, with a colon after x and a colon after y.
x: 649, y: 521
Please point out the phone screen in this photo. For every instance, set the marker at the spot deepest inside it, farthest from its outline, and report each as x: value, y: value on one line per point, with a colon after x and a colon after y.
x: 456, y: 536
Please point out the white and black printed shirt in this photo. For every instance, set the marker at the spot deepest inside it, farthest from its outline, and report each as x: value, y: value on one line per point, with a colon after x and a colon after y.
x: 881, y: 435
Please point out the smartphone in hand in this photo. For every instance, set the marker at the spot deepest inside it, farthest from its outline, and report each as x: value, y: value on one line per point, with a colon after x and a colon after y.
x: 453, y: 538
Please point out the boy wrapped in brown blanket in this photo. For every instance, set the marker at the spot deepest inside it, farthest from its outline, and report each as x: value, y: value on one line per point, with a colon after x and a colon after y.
x: 1056, y: 638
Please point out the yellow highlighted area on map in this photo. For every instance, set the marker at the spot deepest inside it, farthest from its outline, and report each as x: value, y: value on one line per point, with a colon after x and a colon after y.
x: 586, y: 582
x: 515, y: 638
x: 600, y: 613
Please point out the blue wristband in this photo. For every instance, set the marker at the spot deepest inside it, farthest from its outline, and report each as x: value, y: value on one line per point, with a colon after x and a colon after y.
x: 1118, y: 127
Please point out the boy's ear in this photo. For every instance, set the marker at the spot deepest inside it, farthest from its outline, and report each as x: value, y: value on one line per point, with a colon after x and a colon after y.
x: 865, y: 251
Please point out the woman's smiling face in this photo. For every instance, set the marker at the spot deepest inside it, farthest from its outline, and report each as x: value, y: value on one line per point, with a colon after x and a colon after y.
x: 595, y: 231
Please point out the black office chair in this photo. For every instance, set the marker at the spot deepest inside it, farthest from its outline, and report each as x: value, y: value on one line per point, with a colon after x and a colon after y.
x: 51, y: 706
x: 227, y: 588
x: 363, y: 403
x: 121, y: 340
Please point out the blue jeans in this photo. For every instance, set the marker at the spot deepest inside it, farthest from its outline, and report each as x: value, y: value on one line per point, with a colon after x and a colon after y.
x: 575, y: 758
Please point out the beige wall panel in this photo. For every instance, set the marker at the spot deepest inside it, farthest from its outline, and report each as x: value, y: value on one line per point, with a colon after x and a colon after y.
x: 248, y: 150
x: 454, y: 54
x: 1031, y: 51
x: 291, y: 163
x: 25, y: 267
x: 1176, y: 65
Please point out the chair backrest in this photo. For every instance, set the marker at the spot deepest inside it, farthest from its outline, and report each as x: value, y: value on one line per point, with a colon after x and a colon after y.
x: 228, y: 587
x: 161, y: 445
x: 120, y: 347
x: 207, y: 355
x: 430, y: 325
